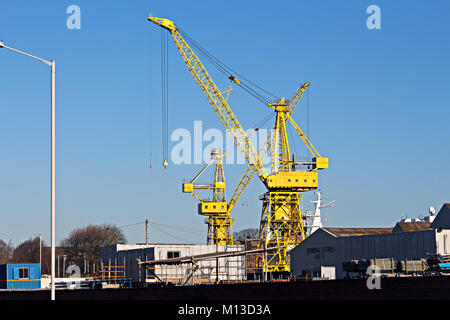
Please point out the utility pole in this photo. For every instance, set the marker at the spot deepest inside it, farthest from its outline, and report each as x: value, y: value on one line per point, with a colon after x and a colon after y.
x: 40, y: 249
x: 146, y: 232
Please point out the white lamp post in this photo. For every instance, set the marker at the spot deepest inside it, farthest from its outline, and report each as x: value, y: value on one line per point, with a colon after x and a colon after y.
x: 52, y: 197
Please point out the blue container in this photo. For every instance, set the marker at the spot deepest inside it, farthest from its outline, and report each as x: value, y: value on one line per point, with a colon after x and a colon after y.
x: 444, y: 266
x: 20, y: 276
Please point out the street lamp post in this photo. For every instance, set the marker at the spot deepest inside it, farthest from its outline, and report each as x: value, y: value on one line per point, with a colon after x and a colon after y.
x: 52, y: 196
x: 64, y: 264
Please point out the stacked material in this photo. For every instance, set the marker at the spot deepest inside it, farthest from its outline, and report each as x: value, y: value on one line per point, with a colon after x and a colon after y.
x: 385, y: 265
x: 408, y: 266
x: 439, y: 262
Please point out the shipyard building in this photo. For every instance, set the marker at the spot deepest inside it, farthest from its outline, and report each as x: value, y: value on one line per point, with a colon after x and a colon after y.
x: 324, y: 252
x: 122, y: 261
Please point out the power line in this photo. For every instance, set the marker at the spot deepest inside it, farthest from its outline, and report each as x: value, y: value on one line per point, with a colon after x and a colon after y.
x: 169, y: 234
x: 178, y: 227
x: 131, y: 225
x: 186, y: 229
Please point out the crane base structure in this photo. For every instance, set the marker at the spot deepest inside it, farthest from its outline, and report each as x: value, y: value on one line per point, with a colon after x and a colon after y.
x: 281, y: 226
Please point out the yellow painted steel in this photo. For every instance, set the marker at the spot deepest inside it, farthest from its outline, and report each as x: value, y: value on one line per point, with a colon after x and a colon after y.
x: 281, y: 223
x: 248, y: 175
x: 219, y: 221
x: 281, y: 226
x: 294, y: 181
x: 212, y: 208
x: 320, y: 163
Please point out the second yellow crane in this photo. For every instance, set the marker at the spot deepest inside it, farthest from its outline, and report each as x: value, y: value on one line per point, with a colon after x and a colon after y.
x: 219, y: 221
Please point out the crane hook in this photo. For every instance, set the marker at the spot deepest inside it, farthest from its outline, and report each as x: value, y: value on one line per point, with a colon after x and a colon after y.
x: 165, y: 163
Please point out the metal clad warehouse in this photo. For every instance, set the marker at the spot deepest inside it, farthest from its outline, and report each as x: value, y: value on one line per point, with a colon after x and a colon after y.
x: 326, y: 248
x: 20, y: 276
x: 331, y: 247
x: 230, y: 268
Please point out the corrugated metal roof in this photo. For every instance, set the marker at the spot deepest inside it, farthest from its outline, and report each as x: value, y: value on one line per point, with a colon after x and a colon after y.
x: 442, y: 220
x: 411, y: 226
x: 348, y: 232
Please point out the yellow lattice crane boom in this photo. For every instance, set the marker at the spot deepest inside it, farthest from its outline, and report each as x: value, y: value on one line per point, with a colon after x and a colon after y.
x: 281, y: 223
x: 215, y: 97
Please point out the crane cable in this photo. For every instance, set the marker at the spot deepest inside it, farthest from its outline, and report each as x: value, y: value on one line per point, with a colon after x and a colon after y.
x: 150, y: 95
x: 165, y: 97
x: 307, y: 113
x: 230, y: 73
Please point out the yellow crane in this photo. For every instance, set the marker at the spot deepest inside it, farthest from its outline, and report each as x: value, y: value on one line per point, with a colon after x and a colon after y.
x: 218, y: 211
x: 219, y: 220
x: 281, y: 223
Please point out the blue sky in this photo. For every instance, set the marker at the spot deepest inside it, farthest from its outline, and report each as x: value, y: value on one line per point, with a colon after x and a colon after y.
x: 379, y: 108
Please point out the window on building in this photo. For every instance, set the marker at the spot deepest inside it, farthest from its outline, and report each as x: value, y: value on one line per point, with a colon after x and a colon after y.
x: 173, y: 254
x: 24, y: 273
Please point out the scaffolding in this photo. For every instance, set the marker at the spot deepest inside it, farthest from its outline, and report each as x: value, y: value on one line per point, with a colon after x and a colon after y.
x: 215, y: 267
x: 212, y: 270
x: 111, y: 273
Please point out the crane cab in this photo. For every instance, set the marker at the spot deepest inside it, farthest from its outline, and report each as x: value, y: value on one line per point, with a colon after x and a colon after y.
x: 298, y: 181
x: 212, y: 208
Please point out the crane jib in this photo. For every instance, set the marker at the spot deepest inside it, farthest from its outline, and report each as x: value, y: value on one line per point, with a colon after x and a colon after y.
x: 215, y: 97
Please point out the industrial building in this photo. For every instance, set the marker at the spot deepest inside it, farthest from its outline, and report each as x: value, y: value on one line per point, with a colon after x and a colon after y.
x: 122, y: 261
x: 20, y: 276
x: 331, y: 247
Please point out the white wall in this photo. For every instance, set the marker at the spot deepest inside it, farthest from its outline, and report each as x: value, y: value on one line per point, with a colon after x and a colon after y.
x: 230, y: 268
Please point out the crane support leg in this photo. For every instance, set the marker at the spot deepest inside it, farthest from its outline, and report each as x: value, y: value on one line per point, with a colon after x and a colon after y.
x: 220, y: 230
x: 281, y: 226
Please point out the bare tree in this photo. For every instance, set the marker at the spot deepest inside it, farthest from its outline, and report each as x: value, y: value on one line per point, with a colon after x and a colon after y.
x: 6, y: 251
x: 27, y: 251
x: 83, y: 244
x: 249, y: 233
